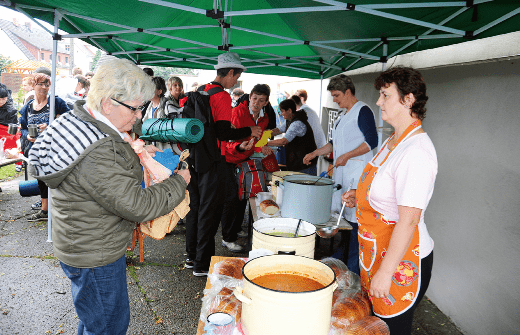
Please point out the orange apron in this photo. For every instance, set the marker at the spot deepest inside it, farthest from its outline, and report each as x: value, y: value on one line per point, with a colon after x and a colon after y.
x: 374, y: 236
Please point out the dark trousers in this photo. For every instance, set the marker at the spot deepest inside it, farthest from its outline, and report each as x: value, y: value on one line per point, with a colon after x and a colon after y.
x: 234, y: 209
x: 402, y: 324
x: 44, y: 190
x: 206, y: 202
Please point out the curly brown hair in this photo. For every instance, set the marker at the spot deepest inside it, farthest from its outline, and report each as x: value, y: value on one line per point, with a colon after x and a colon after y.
x: 407, y: 80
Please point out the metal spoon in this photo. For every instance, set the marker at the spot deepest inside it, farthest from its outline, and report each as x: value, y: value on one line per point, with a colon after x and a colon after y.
x: 297, y: 228
x: 329, y: 231
x: 323, y: 175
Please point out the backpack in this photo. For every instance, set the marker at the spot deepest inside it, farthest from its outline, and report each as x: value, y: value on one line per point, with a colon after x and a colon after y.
x: 251, y: 178
x: 206, y: 152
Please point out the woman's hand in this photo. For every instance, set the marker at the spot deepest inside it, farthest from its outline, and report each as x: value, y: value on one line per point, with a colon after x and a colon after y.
x: 247, y: 145
x: 266, y: 150
x: 349, y: 198
x: 309, y: 157
x: 152, y: 149
x: 342, y: 160
x: 31, y: 139
x: 42, y: 127
x: 380, y: 284
x: 185, y: 174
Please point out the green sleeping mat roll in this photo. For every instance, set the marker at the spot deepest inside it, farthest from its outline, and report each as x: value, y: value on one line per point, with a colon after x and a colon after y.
x: 173, y: 130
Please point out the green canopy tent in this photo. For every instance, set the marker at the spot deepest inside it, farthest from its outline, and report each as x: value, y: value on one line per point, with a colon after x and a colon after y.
x: 312, y: 39
x: 299, y: 38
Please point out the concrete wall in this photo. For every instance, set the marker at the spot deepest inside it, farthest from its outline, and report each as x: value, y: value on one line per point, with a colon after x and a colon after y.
x: 473, y: 119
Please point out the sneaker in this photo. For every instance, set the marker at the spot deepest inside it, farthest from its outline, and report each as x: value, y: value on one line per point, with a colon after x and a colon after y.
x: 37, y: 205
x: 242, y: 233
x: 188, y: 263
x: 40, y: 216
x: 232, y: 246
x: 18, y: 168
x: 200, y: 273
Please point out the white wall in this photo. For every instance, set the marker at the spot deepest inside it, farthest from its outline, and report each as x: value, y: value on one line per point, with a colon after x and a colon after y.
x: 473, y: 119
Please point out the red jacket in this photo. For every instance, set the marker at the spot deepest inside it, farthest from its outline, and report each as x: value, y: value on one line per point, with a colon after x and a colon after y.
x: 241, y: 117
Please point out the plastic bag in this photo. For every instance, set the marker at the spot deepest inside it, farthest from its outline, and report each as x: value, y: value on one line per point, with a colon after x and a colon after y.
x: 346, y: 279
x: 370, y: 325
x: 220, y: 297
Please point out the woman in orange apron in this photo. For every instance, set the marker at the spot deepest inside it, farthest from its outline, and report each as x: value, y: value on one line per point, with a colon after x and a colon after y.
x: 395, y: 249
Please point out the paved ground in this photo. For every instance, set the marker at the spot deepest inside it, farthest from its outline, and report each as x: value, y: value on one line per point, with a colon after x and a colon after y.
x: 165, y: 298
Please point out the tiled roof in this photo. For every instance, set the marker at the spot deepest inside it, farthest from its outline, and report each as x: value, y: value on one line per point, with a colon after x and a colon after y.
x: 35, y: 36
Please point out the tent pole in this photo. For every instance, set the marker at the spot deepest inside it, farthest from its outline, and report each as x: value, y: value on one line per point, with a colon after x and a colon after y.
x: 52, y: 102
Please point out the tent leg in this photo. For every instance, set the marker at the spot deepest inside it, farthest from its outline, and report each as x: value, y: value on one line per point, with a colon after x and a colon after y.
x: 52, y: 103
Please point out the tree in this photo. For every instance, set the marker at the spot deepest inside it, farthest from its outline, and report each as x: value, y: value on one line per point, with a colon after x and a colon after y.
x: 4, y: 61
x: 95, y: 60
x: 167, y: 72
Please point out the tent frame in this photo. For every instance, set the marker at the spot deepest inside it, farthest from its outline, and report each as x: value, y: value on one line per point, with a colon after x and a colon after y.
x: 221, y: 13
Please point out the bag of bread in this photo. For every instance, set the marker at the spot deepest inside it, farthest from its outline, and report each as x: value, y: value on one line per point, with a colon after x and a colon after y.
x: 369, y: 325
x: 220, y: 297
x: 349, y: 306
x: 345, y: 278
x: 231, y: 267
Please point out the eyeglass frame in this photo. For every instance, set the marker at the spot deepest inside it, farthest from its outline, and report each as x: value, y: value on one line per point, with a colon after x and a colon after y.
x: 133, y: 109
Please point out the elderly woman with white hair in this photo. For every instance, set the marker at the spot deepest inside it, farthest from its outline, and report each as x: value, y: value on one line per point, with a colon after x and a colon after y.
x: 95, y: 180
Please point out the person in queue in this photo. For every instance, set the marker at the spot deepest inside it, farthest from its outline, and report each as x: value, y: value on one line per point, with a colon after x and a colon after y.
x: 8, y: 114
x: 314, y: 121
x: 354, y: 135
x: 236, y: 94
x: 298, y: 139
x: 392, y: 195
x: 244, y: 115
x: 208, y: 169
x: 176, y: 89
x: 37, y: 112
x: 156, y: 109
x: 95, y: 179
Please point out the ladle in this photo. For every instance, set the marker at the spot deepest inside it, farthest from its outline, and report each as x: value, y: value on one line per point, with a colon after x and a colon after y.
x: 323, y: 175
x: 297, y: 228
x: 329, y: 231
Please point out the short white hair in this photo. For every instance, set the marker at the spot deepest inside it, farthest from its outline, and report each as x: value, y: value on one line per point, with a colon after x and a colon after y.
x: 119, y: 79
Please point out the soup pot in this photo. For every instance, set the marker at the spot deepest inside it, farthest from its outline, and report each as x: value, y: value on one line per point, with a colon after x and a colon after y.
x: 276, y: 179
x: 302, y: 199
x: 270, y: 312
x: 285, y: 243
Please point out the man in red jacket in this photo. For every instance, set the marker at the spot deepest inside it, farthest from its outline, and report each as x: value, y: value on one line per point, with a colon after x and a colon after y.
x: 208, y: 173
x: 248, y: 114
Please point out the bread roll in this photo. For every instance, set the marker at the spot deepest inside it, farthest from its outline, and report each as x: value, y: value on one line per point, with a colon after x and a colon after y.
x: 350, y: 309
x: 226, y: 303
x: 269, y: 207
x: 369, y: 325
x: 231, y: 267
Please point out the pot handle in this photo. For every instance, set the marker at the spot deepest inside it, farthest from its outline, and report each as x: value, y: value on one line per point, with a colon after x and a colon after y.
x: 281, y: 252
x: 337, y: 187
x: 278, y: 184
x: 334, y: 286
x: 239, y: 294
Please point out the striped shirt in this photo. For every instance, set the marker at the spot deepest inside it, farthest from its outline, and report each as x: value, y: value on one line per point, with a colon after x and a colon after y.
x: 62, y: 143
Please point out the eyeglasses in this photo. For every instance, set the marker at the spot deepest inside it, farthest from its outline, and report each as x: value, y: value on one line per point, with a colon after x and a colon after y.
x: 133, y: 109
x: 44, y: 85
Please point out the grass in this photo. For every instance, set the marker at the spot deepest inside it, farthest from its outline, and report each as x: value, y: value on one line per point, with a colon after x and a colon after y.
x: 8, y: 172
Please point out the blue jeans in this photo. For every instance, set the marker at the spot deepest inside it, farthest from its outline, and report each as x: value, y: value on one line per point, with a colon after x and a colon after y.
x: 100, y: 296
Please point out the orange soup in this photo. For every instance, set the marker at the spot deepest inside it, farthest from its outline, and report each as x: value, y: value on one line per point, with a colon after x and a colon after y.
x: 287, y: 282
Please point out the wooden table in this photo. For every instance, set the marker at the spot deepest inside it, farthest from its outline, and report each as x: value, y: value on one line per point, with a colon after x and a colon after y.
x: 214, y: 260
x: 6, y: 162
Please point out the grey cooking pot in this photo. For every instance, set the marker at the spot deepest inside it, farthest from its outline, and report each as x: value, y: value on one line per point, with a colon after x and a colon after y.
x: 304, y: 199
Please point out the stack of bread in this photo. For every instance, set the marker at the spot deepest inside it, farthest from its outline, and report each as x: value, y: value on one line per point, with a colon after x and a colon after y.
x: 226, y: 276
x: 369, y: 325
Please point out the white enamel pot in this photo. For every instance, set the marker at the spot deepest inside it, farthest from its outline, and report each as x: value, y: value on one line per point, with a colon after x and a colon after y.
x: 270, y: 312
x: 307, y: 201
x: 302, y: 245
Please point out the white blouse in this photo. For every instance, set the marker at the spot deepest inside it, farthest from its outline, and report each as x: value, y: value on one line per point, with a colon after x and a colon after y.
x: 407, y: 179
